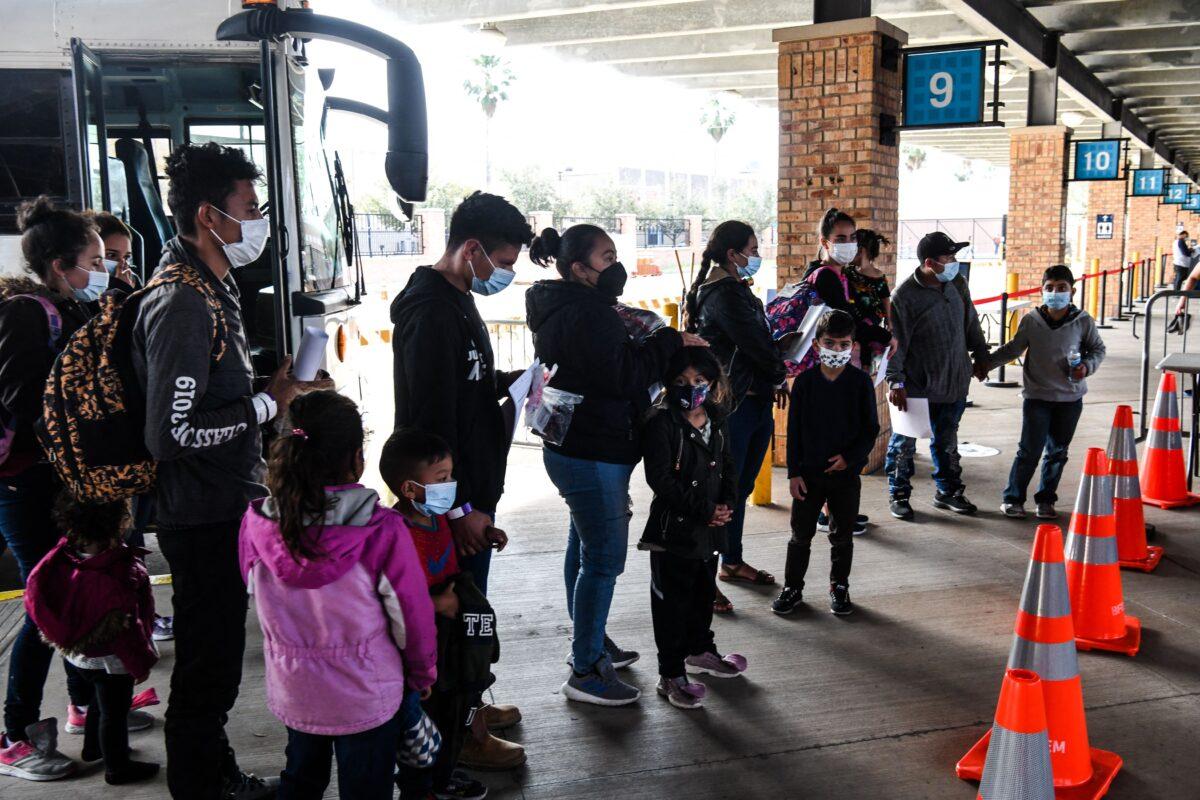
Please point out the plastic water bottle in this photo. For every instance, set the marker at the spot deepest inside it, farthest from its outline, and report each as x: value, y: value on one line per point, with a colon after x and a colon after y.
x: 1074, y: 359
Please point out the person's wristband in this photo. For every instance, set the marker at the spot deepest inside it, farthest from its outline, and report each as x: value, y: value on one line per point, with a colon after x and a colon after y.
x: 460, y: 512
x: 897, y: 385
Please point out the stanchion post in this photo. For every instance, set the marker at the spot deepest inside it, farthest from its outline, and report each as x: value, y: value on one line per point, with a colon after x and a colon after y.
x: 1120, y: 315
x: 762, y: 482
x: 1103, y: 298
x: 1093, y: 296
x: 1137, y: 278
x: 1000, y: 381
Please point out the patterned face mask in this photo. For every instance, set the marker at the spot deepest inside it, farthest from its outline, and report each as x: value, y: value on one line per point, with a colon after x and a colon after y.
x: 688, y: 397
x: 834, y: 358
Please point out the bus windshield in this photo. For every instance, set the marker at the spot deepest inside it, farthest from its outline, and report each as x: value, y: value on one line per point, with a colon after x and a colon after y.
x: 322, y: 254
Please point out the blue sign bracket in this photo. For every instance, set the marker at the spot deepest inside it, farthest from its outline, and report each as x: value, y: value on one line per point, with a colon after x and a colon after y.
x: 1099, y: 159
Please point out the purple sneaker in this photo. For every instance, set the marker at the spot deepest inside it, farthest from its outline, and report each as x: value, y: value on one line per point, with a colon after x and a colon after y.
x: 681, y: 693
x: 718, y: 666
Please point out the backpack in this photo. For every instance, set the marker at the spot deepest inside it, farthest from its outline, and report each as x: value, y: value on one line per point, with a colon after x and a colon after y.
x: 785, y: 315
x: 94, y: 416
x: 54, y: 322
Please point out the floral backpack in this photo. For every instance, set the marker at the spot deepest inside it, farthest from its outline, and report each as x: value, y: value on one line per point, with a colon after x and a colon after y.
x: 786, y: 313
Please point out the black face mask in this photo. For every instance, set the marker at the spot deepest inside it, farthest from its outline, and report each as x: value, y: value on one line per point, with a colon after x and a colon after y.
x: 612, y: 280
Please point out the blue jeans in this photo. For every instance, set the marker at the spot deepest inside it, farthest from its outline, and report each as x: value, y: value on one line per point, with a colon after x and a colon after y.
x: 943, y: 448
x: 750, y: 429
x: 480, y: 564
x: 25, y: 503
x: 597, y: 495
x: 366, y: 763
x: 1049, y: 426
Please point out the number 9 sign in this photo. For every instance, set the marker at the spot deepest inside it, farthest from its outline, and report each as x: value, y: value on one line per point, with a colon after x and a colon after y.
x: 943, y: 87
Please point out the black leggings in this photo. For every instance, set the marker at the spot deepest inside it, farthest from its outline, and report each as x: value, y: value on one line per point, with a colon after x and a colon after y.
x: 107, y: 730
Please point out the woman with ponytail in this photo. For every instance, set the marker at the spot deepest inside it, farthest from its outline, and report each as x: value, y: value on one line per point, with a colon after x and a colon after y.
x: 576, y: 327
x: 341, y: 596
x: 722, y: 309
x: 831, y: 280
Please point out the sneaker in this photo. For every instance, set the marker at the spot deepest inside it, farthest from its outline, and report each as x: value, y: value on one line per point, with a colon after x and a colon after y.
x: 600, y: 686
x: 37, y: 759
x: 461, y: 787
x: 860, y: 524
x: 839, y: 600
x: 681, y: 693
x: 491, y: 753
x: 1013, y: 510
x: 620, y: 658
x: 787, y: 601
x: 164, y: 629
x: 77, y: 720
x: 718, y: 666
x: 957, y: 502
x: 1046, y: 511
x: 900, y: 508
x: 248, y: 786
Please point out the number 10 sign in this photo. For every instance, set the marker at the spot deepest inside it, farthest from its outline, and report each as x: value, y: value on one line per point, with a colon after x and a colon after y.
x: 944, y: 87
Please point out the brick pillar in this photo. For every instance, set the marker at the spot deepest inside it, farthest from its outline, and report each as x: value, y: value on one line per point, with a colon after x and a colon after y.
x: 1106, y: 197
x: 833, y: 87
x: 1142, y: 231
x: 1037, y: 201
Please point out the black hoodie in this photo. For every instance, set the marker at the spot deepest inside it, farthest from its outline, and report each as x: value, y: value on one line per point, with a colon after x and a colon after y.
x: 577, y: 328
x: 446, y: 382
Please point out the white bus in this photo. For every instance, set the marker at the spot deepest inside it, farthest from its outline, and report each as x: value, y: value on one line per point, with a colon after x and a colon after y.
x: 94, y: 95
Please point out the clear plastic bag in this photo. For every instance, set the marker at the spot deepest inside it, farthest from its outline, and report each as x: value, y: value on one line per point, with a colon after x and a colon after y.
x: 551, y: 417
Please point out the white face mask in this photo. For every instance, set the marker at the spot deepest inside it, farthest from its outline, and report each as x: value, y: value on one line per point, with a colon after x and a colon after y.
x: 255, y: 233
x: 111, y: 265
x: 843, y: 252
x: 97, y: 283
x: 834, y: 358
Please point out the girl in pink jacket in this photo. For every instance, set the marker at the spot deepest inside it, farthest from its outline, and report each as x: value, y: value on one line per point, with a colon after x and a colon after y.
x: 346, y: 616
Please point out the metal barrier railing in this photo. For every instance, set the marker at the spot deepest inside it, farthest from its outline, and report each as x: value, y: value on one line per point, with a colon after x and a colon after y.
x: 1148, y: 322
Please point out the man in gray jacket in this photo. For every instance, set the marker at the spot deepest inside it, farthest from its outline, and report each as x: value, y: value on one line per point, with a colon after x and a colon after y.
x: 935, y: 327
x: 202, y: 426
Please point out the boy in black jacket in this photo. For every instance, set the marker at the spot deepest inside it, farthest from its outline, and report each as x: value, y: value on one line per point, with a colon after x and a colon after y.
x: 832, y: 426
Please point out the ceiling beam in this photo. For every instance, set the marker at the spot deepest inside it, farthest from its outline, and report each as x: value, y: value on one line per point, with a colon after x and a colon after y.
x: 475, y: 12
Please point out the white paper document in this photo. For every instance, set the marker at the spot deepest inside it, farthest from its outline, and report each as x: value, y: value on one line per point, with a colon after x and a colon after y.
x: 914, y: 421
x: 881, y: 373
x: 797, y: 344
x: 527, y: 383
x: 311, y: 353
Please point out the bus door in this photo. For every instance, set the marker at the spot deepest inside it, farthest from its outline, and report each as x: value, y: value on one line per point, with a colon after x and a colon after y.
x: 92, y: 163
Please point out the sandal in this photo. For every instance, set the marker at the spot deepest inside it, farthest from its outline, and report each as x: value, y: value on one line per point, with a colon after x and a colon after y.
x: 735, y: 575
x: 722, y: 604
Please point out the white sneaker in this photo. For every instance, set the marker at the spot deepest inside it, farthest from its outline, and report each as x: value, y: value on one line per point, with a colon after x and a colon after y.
x: 1013, y: 510
x: 37, y: 759
x: 164, y: 629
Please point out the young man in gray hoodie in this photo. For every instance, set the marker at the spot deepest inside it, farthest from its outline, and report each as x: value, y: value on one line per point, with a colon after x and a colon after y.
x: 1061, y: 347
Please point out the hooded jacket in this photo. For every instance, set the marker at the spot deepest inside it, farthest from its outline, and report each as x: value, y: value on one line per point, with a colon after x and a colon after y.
x: 95, y: 606
x: 26, y: 356
x: 343, y: 633
x: 446, y: 382
x: 936, y: 327
x: 1045, y: 374
x: 578, y: 328
x: 201, y: 423
x: 733, y: 322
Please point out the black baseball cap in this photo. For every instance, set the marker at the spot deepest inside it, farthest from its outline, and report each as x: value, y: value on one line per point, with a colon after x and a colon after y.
x: 937, y: 244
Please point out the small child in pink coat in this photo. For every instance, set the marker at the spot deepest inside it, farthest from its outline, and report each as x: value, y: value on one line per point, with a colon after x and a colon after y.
x: 347, y: 621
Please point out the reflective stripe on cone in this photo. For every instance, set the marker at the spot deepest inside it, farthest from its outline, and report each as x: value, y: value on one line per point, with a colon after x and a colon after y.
x: 1163, y: 476
x: 1017, y: 766
x: 1132, y: 550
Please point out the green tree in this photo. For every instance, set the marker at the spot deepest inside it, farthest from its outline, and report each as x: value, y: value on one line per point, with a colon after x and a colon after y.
x: 610, y: 199
x: 489, y: 90
x: 533, y: 189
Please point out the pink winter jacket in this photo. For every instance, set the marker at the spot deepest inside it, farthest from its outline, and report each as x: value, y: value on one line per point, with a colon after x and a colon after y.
x: 343, y: 633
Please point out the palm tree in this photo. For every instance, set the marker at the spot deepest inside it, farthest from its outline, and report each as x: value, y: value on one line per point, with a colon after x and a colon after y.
x: 494, y: 79
x: 717, y: 118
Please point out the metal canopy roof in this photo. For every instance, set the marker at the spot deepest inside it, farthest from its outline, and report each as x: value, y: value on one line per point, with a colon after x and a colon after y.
x: 1134, y: 61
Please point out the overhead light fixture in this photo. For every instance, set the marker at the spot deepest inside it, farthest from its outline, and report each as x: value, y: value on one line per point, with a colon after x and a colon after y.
x: 1006, y: 74
x: 494, y: 37
x: 1073, y: 119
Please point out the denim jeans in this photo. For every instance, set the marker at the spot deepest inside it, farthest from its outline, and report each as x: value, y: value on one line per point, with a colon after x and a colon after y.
x: 597, y: 495
x: 480, y: 564
x: 943, y: 448
x: 366, y: 763
x: 25, y: 523
x: 750, y: 429
x: 1049, y: 426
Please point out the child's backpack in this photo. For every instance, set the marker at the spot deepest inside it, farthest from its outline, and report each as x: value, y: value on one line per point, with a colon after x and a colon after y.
x: 786, y: 313
x: 8, y: 429
x: 94, y: 415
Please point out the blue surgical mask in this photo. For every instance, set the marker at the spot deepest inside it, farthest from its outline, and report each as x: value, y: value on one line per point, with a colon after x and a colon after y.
x: 1056, y: 300
x: 753, y: 264
x: 111, y: 265
x: 97, y: 283
x: 496, y: 282
x: 439, y: 498
x: 949, y: 273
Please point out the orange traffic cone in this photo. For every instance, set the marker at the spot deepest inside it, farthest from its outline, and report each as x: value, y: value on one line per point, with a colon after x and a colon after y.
x: 1164, y: 477
x: 1093, y: 575
x: 1132, y: 550
x: 1045, y: 644
x: 1018, y: 756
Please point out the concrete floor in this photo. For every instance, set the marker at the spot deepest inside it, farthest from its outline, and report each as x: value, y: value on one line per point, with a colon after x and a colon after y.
x: 880, y: 704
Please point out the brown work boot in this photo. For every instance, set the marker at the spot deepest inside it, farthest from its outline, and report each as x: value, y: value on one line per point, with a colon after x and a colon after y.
x: 491, y: 753
x: 499, y: 717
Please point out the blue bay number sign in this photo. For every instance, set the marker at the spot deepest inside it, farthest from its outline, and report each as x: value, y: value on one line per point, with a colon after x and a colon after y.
x: 1192, y: 203
x: 1098, y: 160
x: 1147, y: 182
x: 1177, y: 194
x: 943, y: 88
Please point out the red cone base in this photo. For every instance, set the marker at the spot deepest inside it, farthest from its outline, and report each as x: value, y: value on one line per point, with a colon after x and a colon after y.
x: 1105, y: 766
x: 1189, y: 499
x: 1153, y: 556
x: 1127, y: 644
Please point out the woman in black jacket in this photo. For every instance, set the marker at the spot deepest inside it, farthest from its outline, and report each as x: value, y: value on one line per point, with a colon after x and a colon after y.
x: 64, y: 254
x: 722, y: 309
x: 576, y: 328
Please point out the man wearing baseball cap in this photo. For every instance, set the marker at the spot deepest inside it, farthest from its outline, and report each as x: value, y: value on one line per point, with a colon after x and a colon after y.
x: 936, y: 327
